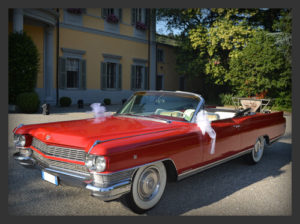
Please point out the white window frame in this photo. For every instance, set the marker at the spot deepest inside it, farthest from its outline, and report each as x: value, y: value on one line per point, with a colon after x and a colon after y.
x: 71, y: 18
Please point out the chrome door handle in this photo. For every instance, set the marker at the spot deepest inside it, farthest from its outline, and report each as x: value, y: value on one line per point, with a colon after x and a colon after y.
x: 237, y: 126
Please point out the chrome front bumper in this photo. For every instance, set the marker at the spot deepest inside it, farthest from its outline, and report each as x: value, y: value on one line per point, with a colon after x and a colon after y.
x: 79, y: 179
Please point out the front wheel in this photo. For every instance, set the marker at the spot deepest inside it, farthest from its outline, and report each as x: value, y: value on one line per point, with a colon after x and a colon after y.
x: 147, y: 187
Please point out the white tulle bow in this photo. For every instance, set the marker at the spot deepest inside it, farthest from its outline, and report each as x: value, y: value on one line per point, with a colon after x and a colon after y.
x: 204, y: 124
x: 98, y: 110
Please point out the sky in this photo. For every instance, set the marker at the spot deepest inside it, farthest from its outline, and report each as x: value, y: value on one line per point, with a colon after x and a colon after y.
x: 161, y: 28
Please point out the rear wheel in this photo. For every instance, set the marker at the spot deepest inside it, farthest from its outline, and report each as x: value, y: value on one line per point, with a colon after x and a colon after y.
x: 147, y: 187
x: 257, y: 152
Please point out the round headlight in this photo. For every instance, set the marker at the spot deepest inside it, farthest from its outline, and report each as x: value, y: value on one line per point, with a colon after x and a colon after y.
x: 20, y: 140
x: 95, y: 163
x: 89, y: 161
x: 100, y: 164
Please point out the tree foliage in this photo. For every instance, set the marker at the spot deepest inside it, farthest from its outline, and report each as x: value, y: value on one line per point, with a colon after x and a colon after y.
x: 246, y: 49
x: 259, y: 67
x: 23, y: 65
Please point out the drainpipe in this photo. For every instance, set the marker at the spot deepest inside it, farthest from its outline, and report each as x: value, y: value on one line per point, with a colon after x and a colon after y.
x: 57, y: 56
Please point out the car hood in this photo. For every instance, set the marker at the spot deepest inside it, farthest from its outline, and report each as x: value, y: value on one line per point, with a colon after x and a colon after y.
x: 82, y: 133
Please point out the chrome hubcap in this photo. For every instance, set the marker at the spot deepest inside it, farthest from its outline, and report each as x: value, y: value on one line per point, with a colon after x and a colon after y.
x: 258, y: 150
x: 148, y: 184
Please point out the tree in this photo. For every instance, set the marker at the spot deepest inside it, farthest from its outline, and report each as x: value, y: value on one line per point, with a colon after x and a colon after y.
x: 23, y: 65
x: 217, y: 43
x: 259, y: 67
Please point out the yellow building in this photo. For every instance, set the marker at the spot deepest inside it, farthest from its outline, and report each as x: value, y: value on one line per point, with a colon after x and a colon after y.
x: 167, y: 78
x: 97, y: 53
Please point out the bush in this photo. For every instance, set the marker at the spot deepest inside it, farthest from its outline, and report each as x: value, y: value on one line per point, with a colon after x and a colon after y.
x: 226, y: 99
x: 65, y: 101
x: 23, y: 65
x: 107, y: 101
x: 28, y: 102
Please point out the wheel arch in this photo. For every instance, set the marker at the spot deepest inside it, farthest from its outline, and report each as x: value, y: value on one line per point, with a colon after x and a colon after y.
x: 171, y: 170
x: 267, y: 139
x: 169, y: 165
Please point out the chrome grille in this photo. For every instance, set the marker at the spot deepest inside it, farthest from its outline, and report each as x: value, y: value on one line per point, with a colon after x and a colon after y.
x: 61, y: 152
x: 55, y: 163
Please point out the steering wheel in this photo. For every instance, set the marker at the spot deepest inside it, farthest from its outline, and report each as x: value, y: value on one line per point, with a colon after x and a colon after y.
x: 242, y: 112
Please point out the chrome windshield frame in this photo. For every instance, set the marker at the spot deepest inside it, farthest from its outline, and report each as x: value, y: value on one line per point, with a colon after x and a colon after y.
x: 198, y: 108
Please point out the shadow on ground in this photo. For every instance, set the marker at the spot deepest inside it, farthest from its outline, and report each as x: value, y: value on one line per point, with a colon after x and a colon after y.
x: 220, y: 182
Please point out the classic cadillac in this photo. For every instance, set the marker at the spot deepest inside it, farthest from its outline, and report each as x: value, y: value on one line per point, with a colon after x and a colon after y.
x: 156, y: 136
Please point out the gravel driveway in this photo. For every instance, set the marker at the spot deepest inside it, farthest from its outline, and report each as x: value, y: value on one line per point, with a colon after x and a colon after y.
x: 233, y: 188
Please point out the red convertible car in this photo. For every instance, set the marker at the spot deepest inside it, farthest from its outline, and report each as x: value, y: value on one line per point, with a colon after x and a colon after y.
x: 153, y: 138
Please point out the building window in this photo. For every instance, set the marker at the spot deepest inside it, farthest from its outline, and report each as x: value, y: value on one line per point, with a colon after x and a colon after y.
x: 160, y: 55
x: 111, y: 75
x: 72, y: 18
x: 72, y: 73
x: 139, y: 15
x: 112, y: 15
x: 72, y: 68
x: 139, y: 77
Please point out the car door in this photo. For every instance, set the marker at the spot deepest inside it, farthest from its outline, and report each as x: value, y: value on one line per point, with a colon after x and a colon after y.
x: 227, y: 140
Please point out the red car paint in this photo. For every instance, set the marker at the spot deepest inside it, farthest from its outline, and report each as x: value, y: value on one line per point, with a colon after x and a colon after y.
x: 128, y: 141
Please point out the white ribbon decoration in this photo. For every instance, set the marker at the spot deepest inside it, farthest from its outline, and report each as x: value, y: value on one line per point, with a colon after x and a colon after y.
x: 99, y: 111
x: 204, y: 124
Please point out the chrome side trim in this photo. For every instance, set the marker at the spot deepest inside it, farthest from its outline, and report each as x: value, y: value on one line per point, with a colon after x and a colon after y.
x: 95, y: 143
x: 275, y: 139
x: 205, y: 167
x: 139, y: 166
x: 113, y: 139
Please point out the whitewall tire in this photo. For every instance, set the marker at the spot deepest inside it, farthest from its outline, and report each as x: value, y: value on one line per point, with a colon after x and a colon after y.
x: 258, y: 150
x: 147, y: 187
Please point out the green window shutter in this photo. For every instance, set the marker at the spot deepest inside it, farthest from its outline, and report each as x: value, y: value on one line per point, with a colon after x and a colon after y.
x: 133, y: 16
x: 119, y: 84
x: 120, y: 15
x: 133, y: 78
x: 103, y: 75
x: 62, y: 73
x: 83, y: 74
x: 146, y: 79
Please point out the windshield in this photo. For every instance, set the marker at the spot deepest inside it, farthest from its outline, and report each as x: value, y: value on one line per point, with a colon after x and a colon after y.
x: 168, y: 105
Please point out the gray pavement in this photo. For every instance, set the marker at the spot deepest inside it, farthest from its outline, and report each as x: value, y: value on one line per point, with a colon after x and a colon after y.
x: 233, y: 188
